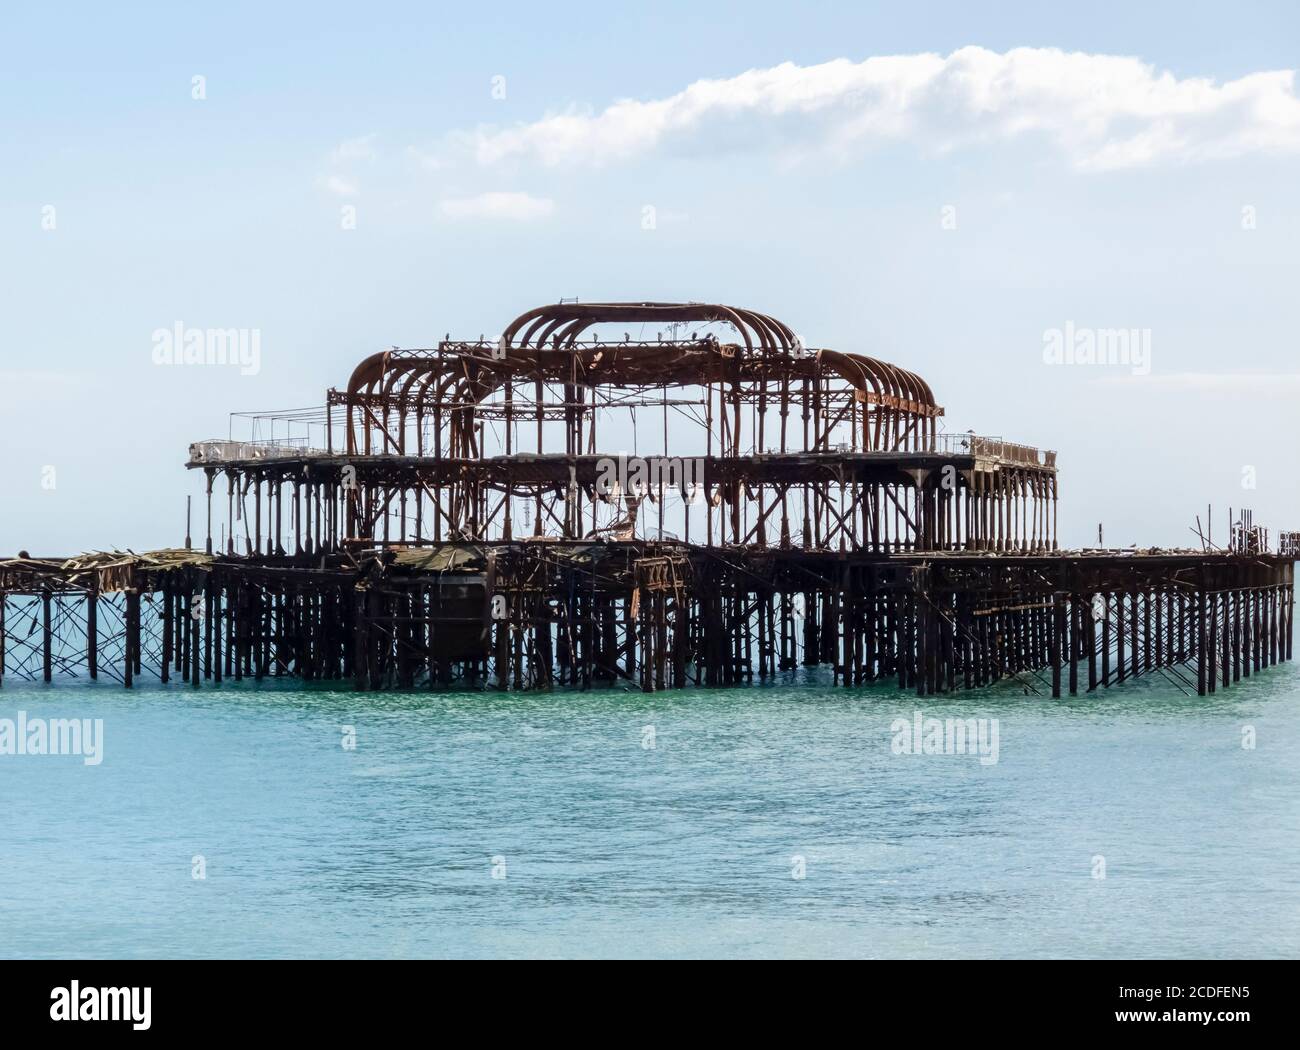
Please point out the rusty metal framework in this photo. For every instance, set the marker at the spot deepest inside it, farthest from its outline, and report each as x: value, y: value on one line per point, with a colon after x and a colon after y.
x: 669, y: 495
x: 787, y: 446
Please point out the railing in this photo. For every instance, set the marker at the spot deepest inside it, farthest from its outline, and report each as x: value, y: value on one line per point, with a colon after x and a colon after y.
x: 983, y: 447
x: 268, y: 435
x: 216, y: 450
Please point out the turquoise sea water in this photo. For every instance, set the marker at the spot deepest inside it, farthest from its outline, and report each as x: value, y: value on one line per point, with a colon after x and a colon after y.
x: 613, y: 848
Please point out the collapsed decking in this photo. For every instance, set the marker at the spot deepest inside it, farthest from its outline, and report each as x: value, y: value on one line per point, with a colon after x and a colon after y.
x: 463, y: 530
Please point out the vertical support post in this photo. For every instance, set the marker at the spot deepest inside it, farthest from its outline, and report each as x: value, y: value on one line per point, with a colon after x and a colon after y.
x: 92, y: 627
x: 1090, y: 642
x: 164, y: 673
x: 1105, y: 642
x: 132, y: 637
x: 1202, y: 665
x: 47, y: 635
x: 1057, y: 639
x: 1075, y: 642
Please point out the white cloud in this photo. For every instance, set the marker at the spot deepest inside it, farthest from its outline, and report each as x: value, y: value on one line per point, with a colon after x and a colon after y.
x: 428, y: 161
x: 343, y: 158
x: 517, y: 207
x: 340, y: 185
x: 352, y: 150
x: 1101, y: 111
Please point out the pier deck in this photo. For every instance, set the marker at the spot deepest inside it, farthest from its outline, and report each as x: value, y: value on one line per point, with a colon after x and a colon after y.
x: 542, y: 614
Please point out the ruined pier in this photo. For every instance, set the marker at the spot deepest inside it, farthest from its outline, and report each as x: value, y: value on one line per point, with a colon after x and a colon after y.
x: 691, y: 497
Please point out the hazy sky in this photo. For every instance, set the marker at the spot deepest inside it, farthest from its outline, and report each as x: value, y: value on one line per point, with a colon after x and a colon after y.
x: 939, y: 185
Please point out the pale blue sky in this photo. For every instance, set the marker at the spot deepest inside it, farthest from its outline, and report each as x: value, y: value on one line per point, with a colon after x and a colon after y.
x: 1120, y: 207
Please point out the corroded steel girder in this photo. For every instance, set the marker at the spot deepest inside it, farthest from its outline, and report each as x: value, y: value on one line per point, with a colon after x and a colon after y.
x: 545, y: 346
x: 787, y: 445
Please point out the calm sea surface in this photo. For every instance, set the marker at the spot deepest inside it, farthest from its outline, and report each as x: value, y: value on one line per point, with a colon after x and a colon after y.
x: 691, y: 847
